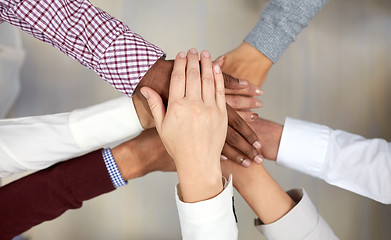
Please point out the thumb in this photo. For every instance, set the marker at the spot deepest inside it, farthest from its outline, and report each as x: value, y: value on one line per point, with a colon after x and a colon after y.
x: 155, y: 104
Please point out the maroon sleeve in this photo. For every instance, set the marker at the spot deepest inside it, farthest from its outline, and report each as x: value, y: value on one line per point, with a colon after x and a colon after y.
x: 47, y: 194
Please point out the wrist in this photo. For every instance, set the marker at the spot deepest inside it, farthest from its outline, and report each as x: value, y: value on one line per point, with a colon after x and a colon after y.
x: 157, y: 78
x: 198, y: 183
x: 124, y: 153
x: 247, y: 62
x: 269, y: 134
x: 145, y: 118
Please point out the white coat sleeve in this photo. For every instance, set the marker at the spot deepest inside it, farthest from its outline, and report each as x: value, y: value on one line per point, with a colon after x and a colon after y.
x: 34, y: 143
x: 212, y: 219
x: 302, y: 222
x: 346, y: 160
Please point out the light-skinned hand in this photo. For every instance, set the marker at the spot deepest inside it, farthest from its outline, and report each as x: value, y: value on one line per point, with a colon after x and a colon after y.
x: 193, y: 128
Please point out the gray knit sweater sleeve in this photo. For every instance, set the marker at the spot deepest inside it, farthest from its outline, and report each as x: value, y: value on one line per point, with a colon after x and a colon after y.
x: 280, y: 23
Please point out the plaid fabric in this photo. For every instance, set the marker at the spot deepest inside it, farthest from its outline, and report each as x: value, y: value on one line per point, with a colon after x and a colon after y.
x: 112, y: 168
x: 89, y: 35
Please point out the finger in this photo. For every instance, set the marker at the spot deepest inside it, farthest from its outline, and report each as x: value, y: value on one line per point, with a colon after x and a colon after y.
x: 193, y: 82
x: 208, y: 82
x: 155, y: 104
x: 219, y: 61
x: 242, y: 102
x: 251, y: 90
x: 240, y: 126
x: 178, y: 77
x: 229, y: 153
x: 220, y: 91
x: 234, y: 83
x: 248, y: 116
x: 235, y: 140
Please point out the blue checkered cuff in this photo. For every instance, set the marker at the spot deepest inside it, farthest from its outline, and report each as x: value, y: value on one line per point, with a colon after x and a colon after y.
x: 112, y: 168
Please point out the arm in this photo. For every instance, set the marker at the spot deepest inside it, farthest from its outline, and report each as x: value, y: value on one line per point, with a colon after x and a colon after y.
x: 34, y: 143
x: 87, y: 34
x: 279, y: 24
x: 342, y: 159
x: 194, y: 111
x: 47, y: 194
x: 107, y: 46
x: 281, y: 215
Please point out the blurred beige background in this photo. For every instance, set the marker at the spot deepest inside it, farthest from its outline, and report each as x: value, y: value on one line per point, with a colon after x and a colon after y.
x: 337, y: 73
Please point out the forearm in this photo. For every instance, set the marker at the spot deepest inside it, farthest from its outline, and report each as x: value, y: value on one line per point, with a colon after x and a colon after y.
x: 268, y: 200
x: 47, y: 194
x: 325, y: 153
x: 54, y: 138
x: 280, y: 23
x: 98, y: 41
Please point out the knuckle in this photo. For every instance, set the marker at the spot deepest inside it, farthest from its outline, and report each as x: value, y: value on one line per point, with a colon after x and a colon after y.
x: 251, y: 153
x: 220, y: 92
x: 238, y: 158
x: 233, y: 138
x: 177, y: 76
x: 227, y: 79
x: 192, y: 72
x: 207, y: 79
x: 236, y: 122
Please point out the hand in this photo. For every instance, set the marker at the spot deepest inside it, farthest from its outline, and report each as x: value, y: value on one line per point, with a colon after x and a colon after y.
x: 267, y: 199
x: 246, y: 62
x: 269, y: 133
x: 135, y: 158
x: 241, y: 138
x: 194, y: 126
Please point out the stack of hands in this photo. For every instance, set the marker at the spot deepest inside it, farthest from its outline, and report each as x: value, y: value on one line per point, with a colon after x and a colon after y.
x: 192, y: 130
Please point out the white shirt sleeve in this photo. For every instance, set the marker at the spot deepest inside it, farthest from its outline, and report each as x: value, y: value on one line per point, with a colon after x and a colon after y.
x: 302, y: 222
x: 211, y: 219
x: 340, y: 158
x: 34, y: 143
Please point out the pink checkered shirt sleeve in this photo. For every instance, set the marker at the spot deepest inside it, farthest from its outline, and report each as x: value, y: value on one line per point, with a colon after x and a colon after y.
x: 89, y: 35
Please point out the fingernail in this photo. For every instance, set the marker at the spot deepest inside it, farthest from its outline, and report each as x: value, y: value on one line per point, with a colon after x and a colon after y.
x: 243, y: 82
x: 193, y: 51
x: 258, y: 159
x: 217, y: 69
x: 206, y: 54
x: 258, y: 103
x: 254, y: 116
x: 258, y: 91
x: 219, y: 59
x: 257, y: 145
x: 144, y: 93
x: 223, y: 158
x: 246, y: 163
x: 182, y: 55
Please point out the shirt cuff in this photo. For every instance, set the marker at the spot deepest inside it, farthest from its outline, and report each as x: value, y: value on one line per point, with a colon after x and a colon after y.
x: 210, y: 219
x: 112, y: 168
x: 302, y: 222
x: 303, y: 146
x: 297, y: 223
x: 106, y: 123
